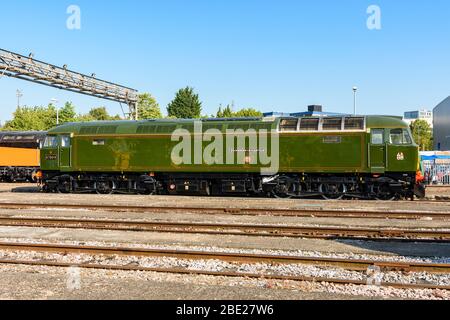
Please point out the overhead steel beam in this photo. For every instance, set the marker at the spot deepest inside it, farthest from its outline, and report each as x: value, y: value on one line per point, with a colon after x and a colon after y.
x: 29, y: 69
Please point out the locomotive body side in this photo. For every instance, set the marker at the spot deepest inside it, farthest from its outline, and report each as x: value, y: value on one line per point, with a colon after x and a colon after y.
x: 347, y: 155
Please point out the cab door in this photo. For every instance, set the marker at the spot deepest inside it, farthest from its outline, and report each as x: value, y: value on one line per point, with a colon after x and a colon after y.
x: 377, y: 151
x: 50, y: 154
x: 65, y: 151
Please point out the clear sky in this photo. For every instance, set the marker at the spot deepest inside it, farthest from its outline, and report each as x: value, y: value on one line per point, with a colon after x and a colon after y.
x: 272, y: 55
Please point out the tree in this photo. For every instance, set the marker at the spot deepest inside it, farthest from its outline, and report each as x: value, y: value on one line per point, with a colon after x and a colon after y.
x: 248, y: 113
x: 226, y: 113
x: 186, y: 105
x: 148, y: 108
x: 67, y: 113
x: 44, y: 118
x: 84, y: 118
x: 32, y: 119
x: 244, y: 113
x: 47, y: 116
x: 422, y: 134
x: 99, y: 114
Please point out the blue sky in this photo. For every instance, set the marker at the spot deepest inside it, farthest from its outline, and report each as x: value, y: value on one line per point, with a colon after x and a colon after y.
x: 271, y: 55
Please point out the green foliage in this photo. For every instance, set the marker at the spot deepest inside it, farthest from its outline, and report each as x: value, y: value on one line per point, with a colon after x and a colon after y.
x: 248, y: 113
x: 44, y: 118
x: 67, y: 113
x: 422, y: 134
x: 226, y: 113
x: 148, y: 108
x: 99, y: 114
x: 186, y: 105
x: 244, y: 113
x: 32, y: 118
x: 84, y: 118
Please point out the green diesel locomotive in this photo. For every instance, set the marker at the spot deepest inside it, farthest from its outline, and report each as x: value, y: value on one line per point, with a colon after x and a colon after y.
x: 372, y: 157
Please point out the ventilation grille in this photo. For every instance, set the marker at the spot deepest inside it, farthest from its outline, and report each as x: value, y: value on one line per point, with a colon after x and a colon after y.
x: 288, y: 125
x: 99, y: 130
x: 309, y: 124
x: 156, y: 129
x: 354, y: 123
x: 88, y: 130
x: 332, y: 124
x: 146, y: 129
x: 249, y: 126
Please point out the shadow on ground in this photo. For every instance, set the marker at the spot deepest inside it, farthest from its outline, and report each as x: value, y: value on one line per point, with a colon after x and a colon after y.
x: 403, y: 248
x: 25, y: 190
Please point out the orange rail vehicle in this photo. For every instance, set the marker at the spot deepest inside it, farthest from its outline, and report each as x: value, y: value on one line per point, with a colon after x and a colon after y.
x: 20, y: 155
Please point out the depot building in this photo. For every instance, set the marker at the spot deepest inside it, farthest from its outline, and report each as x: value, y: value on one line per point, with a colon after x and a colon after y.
x: 441, y: 131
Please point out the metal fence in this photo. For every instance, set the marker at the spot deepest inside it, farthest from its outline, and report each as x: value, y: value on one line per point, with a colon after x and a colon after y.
x: 436, y: 172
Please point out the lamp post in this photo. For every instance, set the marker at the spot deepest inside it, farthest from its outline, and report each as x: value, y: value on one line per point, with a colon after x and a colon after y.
x: 55, y: 103
x: 19, y: 95
x: 355, y: 89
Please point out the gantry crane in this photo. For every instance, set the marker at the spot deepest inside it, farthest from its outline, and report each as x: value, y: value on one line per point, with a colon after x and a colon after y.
x: 29, y: 69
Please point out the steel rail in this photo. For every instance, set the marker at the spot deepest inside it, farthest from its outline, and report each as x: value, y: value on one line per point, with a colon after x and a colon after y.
x: 230, y: 229
x: 434, y: 201
x: 335, y: 213
x: 348, y: 264
x: 228, y: 274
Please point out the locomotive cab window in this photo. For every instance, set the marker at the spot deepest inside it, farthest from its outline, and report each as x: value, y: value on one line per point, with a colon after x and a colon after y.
x: 400, y: 136
x: 377, y: 136
x: 51, y: 142
x: 65, y: 141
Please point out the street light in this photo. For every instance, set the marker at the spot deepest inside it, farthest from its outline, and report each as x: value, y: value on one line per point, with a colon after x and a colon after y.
x: 19, y: 95
x: 55, y: 103
x: 355, y: 89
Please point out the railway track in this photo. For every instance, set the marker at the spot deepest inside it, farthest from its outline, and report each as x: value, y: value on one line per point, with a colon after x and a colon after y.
x: 357, y: 265
x: 224, y: 274
x: 232, y: 229
x: 348, y: 264
x: 319, y: 213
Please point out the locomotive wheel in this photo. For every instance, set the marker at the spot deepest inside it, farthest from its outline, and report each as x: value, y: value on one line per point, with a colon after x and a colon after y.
x: 382, y: 192
x: 333, y: 191
x: 146, y: 186
x: 286, y: 188
x: 145, y: 191
x: 64, y: 185
x: 105, y: 187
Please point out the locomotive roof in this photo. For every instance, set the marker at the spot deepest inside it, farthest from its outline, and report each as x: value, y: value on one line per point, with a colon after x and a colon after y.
x: 33, y: 135
x: 22, y: 133
x: 129, y: 125
x: 22, y: 139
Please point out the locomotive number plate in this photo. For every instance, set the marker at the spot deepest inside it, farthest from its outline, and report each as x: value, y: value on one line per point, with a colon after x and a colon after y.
x: 50, y: 157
